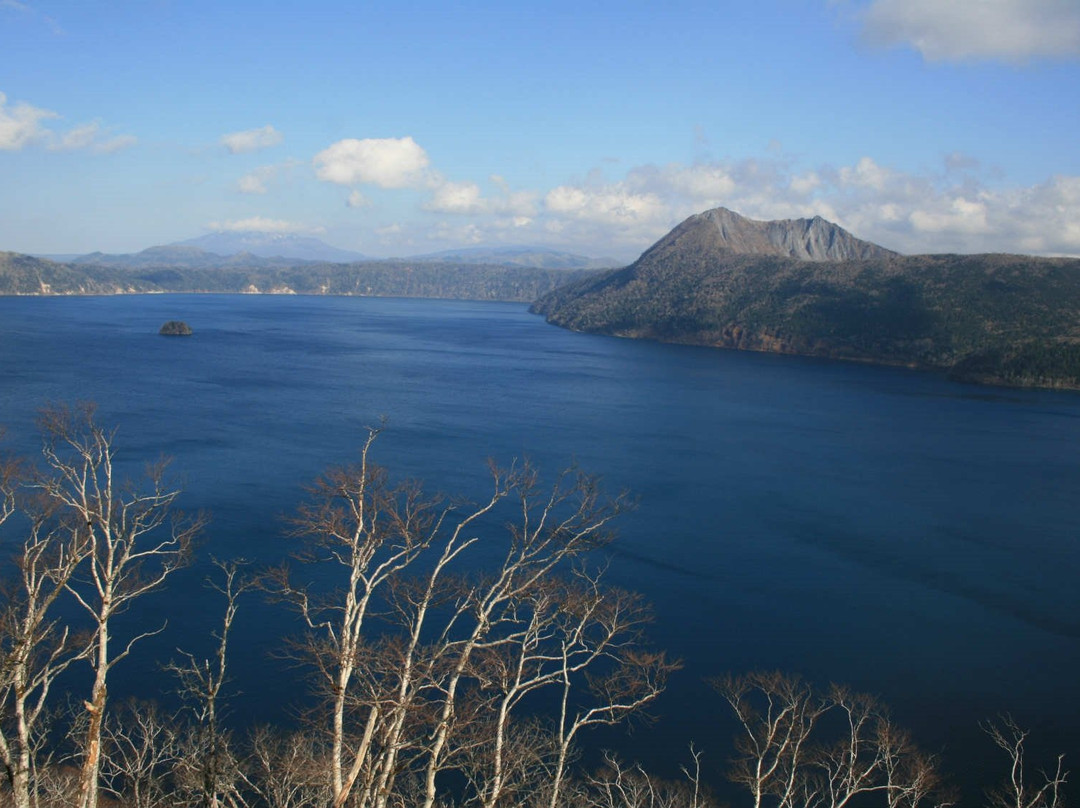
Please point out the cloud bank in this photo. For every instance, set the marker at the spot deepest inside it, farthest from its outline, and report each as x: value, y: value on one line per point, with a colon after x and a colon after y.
x: 953, y: 210
x: 964, y: 30
x: 22, y: 125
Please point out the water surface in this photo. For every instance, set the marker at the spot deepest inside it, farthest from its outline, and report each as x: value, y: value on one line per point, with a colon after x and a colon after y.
x: 910, y: 536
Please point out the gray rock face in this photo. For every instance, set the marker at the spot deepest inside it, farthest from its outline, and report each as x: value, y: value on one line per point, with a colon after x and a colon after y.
x: 722, y: 230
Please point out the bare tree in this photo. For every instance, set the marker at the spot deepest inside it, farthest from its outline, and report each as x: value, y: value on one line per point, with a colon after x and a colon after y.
x: 140, y: 749
x: 871, y: 757
x: 789, y: 757
x: 288, y: 771
x: 209, y: 767
x: 561, y: 631
x: 777, y: 713
x: 618, y: 785
x: 604, y: 627
x: 550, y: 530
x: 134, y: 540
x: 1017, y: 792
x: 11, y: 478
x: 34, y: 647
x: 373, y: 531
x: 453, y: 651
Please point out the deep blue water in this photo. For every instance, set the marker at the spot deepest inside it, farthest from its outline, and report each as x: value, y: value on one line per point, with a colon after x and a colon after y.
x: 904, y: 534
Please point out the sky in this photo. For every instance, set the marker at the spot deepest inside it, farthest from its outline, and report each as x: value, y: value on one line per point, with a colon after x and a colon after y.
x: 588, y: 126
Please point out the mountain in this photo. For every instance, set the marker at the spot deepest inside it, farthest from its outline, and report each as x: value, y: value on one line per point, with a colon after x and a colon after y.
x: 724, y: 281
x: 266, y: 250
x: 271, y: 245
x: 519, y: 256
x: 721, y: 231
x: 247, y: 249
x: 181, y: 257
x: 26, y: 275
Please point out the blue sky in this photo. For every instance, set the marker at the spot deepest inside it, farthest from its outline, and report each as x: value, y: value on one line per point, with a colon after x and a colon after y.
x: 924, y: 125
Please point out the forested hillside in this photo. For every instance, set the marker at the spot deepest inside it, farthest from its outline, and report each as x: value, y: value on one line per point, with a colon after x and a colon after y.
x: 25, y: 275
x: 1002, y: 319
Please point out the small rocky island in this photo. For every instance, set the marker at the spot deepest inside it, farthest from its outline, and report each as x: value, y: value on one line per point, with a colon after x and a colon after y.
x: 175, y: 328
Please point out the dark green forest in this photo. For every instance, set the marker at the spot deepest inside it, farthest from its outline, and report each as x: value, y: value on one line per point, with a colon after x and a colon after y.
x: 997, y: 319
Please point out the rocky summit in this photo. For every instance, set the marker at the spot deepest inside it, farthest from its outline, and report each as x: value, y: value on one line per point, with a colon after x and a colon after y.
x: 807, y: 286
x: 722, y: 231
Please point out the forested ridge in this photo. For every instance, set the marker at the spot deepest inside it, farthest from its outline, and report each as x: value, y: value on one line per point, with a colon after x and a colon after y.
x: 26, y: 275
x: 426, y: 680
x: 1000, y: 319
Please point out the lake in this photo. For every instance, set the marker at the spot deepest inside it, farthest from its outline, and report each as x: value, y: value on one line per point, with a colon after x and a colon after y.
x: 904, y: 534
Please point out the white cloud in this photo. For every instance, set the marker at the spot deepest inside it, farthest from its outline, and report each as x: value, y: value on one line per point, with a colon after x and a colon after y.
x: 259, y: 180
x: 253, y: 183
x: 78, y: 138
x: 804, y: 184
x: 958, y: 30
x: 260, y: 224
x: 704, y: 183
x: 251, y: 140
x: 20, y: 125
x: 517, y: 204
x: 467, y: 198
x: 89, y: 136
x: 613, y: 204
x: 385, y: 162
x: 114, y: 143
x: 356, y: 200
x: 958, y: 215
x: 865, y: 174
x: 456, y: 197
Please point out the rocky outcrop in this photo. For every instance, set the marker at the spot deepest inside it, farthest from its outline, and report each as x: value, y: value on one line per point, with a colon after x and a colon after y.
x: 175, y: 328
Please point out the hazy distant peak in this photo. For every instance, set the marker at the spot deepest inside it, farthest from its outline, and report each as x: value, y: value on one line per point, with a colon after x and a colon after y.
x: 519, y: 255
x: 270, y: 245
x: 817, y: 239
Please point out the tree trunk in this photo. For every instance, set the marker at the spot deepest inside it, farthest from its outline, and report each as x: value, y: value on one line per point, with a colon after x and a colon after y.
x: 95, y: 708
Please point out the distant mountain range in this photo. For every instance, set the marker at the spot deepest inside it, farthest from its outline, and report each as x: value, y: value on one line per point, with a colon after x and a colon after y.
x: 27, y: 275
x: 181, y: 257
x: 808, y: 287
x: 520, y: 256
x: 271, y: 245
x: 269, y: 250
